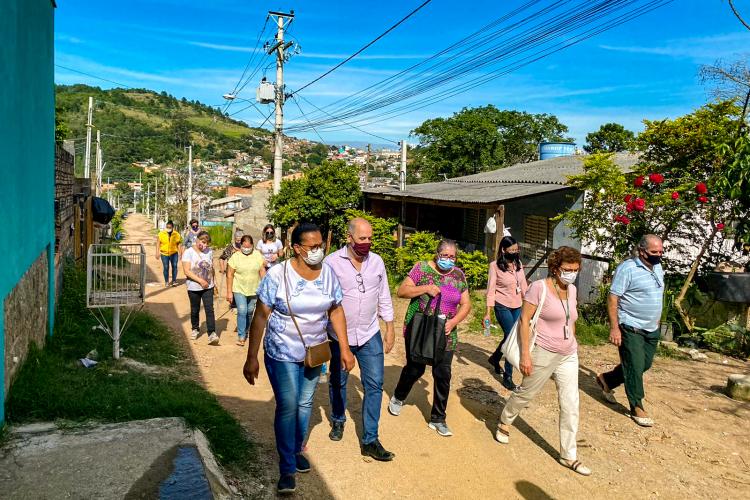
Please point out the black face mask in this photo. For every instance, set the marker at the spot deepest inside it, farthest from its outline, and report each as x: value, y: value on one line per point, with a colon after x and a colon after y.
x: 269, y: 236
x: 653, y: 259
x: 195, y: 228
x: 514, y: 257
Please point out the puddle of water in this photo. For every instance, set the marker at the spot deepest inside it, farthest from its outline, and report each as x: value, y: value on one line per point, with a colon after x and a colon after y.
x: 188, y: 479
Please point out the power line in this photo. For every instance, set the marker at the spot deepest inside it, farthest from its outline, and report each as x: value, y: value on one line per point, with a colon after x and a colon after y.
x: 93, y: 76
x: 393, y: 27
x: 545, y: 30
x: 294, y: 98
x: 350, y: 125
x: 249, y: 63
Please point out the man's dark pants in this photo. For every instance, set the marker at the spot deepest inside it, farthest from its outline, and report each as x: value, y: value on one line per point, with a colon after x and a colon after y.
x: 637, y: 351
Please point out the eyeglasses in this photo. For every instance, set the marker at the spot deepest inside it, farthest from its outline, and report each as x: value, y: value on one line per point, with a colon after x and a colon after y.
x: 312, y: 249
x: 445, y: 256
x: 360, y: 283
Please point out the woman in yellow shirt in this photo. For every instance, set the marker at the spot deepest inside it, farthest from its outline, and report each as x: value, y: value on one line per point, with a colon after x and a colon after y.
x: 244, y: 271
x: 168, y: 250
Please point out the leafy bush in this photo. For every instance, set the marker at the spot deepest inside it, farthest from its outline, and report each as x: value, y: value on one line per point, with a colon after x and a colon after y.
x: 383, y: 242
x: 418, y: 246
x: 475, y: 268
x: 116, y: 225
x: 730, y: 339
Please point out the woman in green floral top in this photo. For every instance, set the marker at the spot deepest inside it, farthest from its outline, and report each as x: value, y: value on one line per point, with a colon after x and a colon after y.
x: 425, y: 281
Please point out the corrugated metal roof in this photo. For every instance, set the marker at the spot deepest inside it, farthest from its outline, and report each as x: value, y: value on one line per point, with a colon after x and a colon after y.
x: 551, y: 171
x: 517, y: 181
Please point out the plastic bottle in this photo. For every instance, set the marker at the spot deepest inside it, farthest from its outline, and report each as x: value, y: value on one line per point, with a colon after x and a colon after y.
x: 323, y: 379
x: 486, y: 328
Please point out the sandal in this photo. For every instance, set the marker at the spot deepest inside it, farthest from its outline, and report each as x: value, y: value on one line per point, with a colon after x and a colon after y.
x: 241, y: 342
x: 643, y: 421
x: 607, y: 394
x: 502, y: 436
x: 575, y: 466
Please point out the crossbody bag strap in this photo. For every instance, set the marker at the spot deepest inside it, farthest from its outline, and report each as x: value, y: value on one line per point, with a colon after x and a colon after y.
x: 289, y: 306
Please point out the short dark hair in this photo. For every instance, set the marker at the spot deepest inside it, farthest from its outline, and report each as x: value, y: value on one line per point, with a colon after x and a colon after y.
x: 303, y: 229
x: 170, y: 223
x: 560, y: 256
x: 194, y: 221
x: 202, y: 234
x: 245, y: 238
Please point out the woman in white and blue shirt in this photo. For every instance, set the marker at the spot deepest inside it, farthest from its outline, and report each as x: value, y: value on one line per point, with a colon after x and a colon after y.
x: 315, y: 297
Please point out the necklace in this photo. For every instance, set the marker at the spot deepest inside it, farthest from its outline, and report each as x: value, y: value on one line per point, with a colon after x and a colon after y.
x: 566, y: 307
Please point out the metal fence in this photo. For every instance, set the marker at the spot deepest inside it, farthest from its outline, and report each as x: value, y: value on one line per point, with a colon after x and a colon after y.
x: 115, y: 275
x: 590, y: 278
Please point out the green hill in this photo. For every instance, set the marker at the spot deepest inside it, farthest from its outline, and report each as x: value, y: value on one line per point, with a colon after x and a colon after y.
x: 139, y: 124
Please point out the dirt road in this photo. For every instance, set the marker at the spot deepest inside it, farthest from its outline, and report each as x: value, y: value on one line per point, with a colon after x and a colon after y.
x: 700, y: 446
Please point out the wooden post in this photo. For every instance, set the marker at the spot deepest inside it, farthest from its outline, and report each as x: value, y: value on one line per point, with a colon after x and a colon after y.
x: 500, y: 225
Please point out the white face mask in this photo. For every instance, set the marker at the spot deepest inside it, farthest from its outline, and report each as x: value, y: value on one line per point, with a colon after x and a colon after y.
x: 314, y: 257
x: 568, y: 277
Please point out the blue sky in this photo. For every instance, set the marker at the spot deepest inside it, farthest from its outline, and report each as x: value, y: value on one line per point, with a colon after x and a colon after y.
x: 647, y: 68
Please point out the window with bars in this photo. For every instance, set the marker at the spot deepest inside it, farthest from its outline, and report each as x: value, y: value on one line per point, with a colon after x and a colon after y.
x: 537, y: 234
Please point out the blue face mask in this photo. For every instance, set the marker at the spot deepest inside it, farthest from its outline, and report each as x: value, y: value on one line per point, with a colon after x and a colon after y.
x: 445, y: 264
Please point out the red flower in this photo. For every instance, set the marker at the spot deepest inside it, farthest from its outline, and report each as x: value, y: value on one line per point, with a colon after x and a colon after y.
x: 639, y: 204
x: 628, y: 197
x: 656, y: 178
x: 675, y: 195
x: 638, y: 182
x: 625, y: 220
x: 720, y: 226
x: 703, y: 199
x: 629, y: 207
x: 701, y: 188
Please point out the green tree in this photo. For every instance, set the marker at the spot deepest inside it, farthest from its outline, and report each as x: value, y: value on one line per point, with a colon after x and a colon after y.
x: 238, y: 182
x: 321, y: 196
x: 478, y: 139
x: 610, y: 138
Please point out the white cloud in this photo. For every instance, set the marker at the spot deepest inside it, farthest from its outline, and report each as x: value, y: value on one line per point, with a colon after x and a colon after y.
x: 62, y: 37
x: 217, y: 46
x: 700, y: 49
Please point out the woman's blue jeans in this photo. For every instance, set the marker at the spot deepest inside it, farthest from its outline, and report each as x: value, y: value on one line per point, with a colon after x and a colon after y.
x: 293, y: 388
x: 166, y: 261
x: 245, y: 309
x: 506, y: 317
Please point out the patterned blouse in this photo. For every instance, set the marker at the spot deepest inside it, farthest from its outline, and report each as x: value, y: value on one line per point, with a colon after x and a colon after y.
x: 452, y: 284
x: 310, y: 301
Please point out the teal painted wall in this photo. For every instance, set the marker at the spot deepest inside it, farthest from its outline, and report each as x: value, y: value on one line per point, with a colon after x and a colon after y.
x: 27, y: 140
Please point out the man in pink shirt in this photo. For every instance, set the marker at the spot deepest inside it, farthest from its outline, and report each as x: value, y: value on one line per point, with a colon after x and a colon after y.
x: 367, y: 295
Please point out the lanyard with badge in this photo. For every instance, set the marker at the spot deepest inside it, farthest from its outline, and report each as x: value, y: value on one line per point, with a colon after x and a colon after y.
x: 566, y: 307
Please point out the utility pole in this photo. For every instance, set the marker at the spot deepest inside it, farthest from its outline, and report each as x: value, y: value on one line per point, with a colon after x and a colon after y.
x: 401, y: 187
x: 97, y: 167
x: 190, y: 185
x: 280, y: 48
x: 148, y: 200
x: 156, y: 204
x: 87, y: 158
x: 367, y: 166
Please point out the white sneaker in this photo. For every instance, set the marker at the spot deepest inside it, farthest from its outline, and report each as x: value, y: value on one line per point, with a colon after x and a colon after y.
x: 394, y: 406
x: 441, y: 428
x: 194, y: 335
x: 213, y: 339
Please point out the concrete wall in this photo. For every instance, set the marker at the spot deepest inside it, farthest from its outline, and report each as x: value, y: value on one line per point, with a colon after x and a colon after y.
x: 25, y: 316
x: 27, y: 124
x: 252, y: 219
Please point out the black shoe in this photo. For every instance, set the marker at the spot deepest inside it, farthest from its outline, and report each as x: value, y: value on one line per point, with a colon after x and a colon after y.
x: 303, y: 464
x: 337, y: 431
x: 508, y: 384
x: 376, y: 451
x: 494, y: 361
x: 287, y: 484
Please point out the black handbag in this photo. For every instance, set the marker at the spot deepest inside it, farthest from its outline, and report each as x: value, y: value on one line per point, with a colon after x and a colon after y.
x: 427, y: 339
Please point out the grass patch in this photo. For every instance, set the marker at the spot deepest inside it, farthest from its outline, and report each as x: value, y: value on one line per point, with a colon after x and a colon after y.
x: 221, y: 236
x: 225, y: 128
x: 591, y: 333
x: 663, y: 351
x: 52, y: 386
